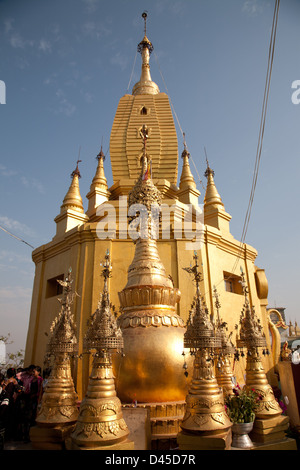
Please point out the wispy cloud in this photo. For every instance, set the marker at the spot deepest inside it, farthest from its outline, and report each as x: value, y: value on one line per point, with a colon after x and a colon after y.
x: 95, y: 29
x: 173, y: 7
x: 16, y: 226
x: 253, y: 7
x: 32, y: 183
x: 4, y: 171
x: 11, y: 257
x: 28, y: 182
x: 119, y: 60
x: 91, y: 5
x: 18, y: 41
x: 45, y: 46
x: 15, y: 292
x: 64, y: 105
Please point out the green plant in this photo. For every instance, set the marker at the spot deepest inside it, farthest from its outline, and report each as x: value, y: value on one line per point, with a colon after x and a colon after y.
x: 241, y: 406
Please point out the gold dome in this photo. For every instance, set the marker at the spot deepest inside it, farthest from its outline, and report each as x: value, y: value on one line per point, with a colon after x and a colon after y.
x: 151, y: 369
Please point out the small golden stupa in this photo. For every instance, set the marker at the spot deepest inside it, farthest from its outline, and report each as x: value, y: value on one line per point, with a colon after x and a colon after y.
x: 100, y: 424
x: 205, y: 424
x: 59, y: 411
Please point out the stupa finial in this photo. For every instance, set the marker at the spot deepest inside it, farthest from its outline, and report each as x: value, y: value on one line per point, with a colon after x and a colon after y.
x: 144, y: 15
x: 145, y: 86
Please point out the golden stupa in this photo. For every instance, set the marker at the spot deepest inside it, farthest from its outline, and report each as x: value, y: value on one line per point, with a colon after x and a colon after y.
x: 149, y: 277
x: 152, y: 329
x: 150, y: 373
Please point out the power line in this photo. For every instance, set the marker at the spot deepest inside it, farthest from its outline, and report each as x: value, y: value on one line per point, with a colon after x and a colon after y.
x: 262, y: 127
x: 261, y: 130
x: 20, y: 239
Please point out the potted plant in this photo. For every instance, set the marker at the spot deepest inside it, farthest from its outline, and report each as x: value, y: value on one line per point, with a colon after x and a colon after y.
x: 240, y: 408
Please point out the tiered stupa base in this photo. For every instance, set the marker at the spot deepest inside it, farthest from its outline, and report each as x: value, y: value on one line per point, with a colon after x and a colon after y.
x: 205, y: 441
x: 270, y: 430
x: 100, y: 424
x: 51, y: 438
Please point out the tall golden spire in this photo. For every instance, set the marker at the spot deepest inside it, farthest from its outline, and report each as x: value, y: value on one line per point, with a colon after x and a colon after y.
x: 188, y: 192
x: 214, y: 210
x: 99, y: 179
x: 212, y: 197
x: 71, y: 211
x: 72, y: 199
x: 98, y: 192
x: 145, y: 86
x: 186, y: 179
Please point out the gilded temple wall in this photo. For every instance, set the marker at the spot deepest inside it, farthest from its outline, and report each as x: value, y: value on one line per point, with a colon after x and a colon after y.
x: 83, y: 251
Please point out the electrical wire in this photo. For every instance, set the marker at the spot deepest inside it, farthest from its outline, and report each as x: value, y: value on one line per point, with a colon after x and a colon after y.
x: 261, y: 129
x: 20, y: 239
x: 261, y: 132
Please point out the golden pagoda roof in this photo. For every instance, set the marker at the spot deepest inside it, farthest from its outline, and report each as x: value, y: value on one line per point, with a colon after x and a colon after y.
x: 73, y: 197
x: 212, y: 197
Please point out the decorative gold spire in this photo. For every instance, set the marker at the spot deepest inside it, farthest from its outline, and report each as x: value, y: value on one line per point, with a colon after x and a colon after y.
x: 146, y: 267
x: 212, y: 197
x: 145, y: 86
x: 201, y: 332
x: 73, y: 198
x: 252, y: 338
x: 99, y: 179
x: 186, y: 179
x: 98, y: 192
x: 205, y: 415
x: 251, y: 331
x: 59, y: 409
x: 100, y: 423
x: 224, y: 372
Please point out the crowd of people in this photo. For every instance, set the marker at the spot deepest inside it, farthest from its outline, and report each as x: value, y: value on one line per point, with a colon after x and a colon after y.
x: 20, y: 395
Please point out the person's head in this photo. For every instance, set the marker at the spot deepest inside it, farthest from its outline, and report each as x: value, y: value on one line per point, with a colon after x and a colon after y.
x: 31, y: 369
x: 11, y: 372
x: 1, y: 380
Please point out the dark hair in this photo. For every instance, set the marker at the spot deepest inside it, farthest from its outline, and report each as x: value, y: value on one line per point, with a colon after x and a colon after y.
x: 1, y: 378
x: 11, y: 372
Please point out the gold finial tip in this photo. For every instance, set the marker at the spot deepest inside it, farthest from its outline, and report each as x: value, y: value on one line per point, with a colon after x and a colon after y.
x: 101, y: 154
x: 144, y: 15
x: 76, y: 171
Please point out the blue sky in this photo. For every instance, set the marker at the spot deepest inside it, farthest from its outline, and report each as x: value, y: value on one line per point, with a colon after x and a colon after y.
x: 66, y: 64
